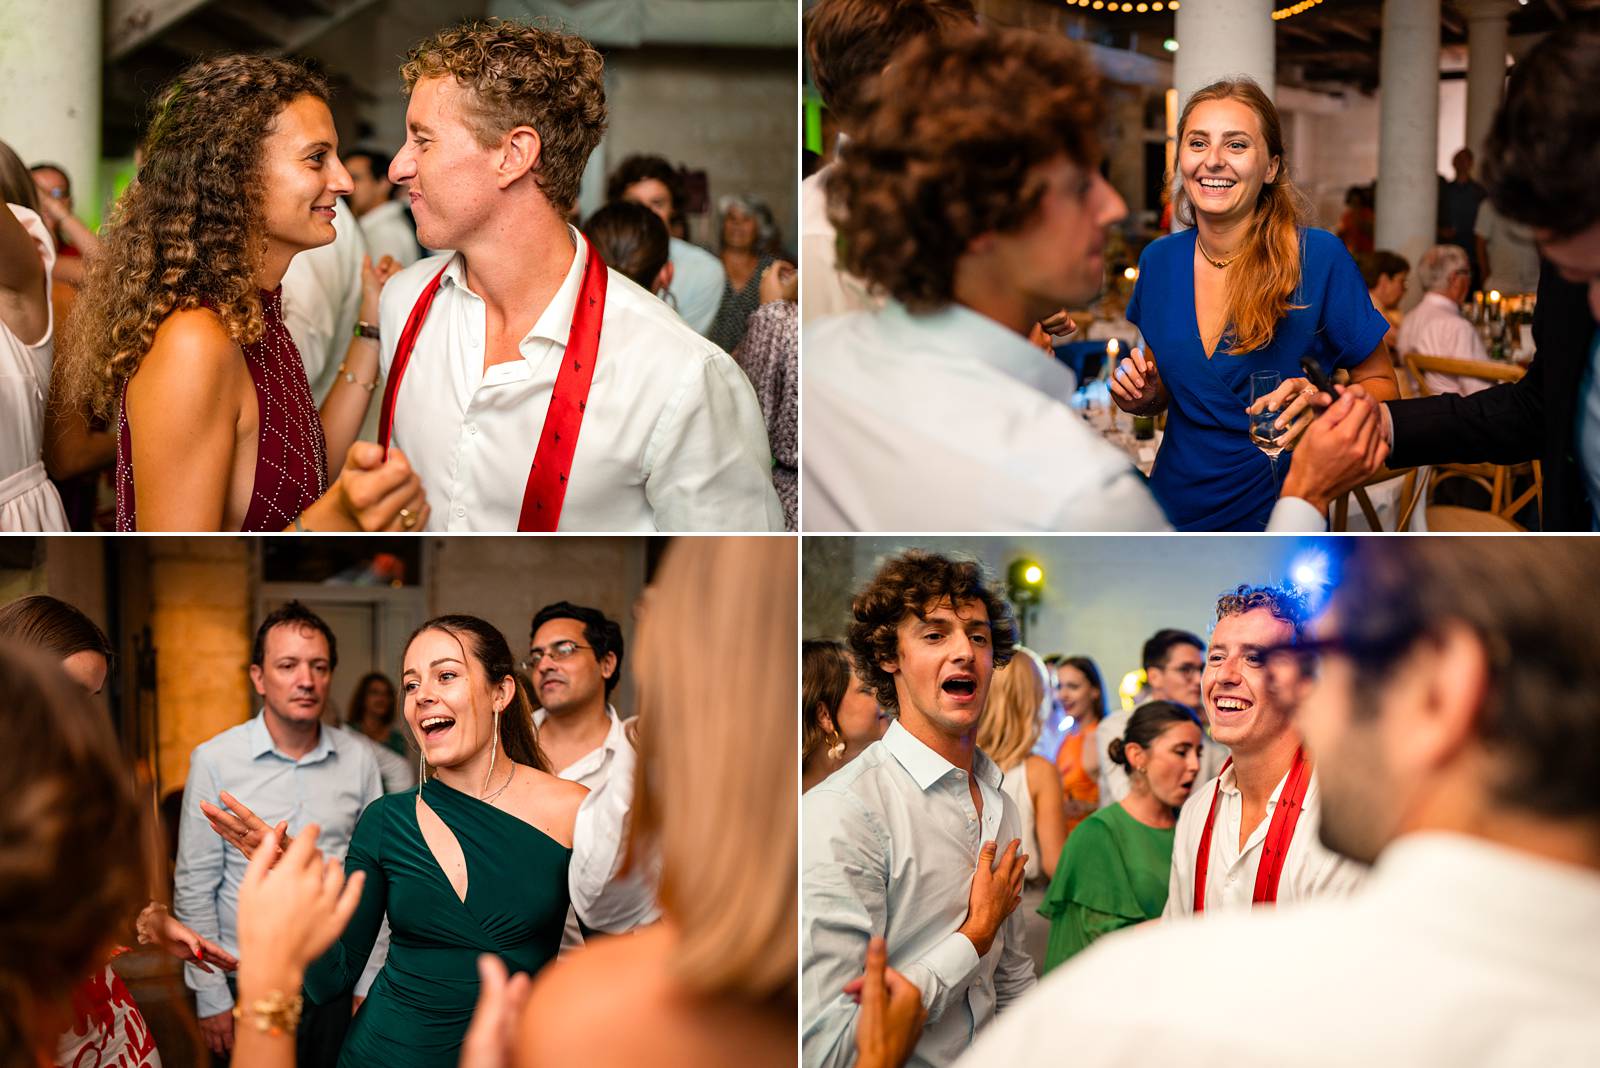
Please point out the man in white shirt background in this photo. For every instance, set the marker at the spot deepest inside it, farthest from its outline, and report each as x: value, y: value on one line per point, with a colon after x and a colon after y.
x: 889, y: 843
x: 1173, y: 660
x: 575, y: 662
x: 698, y: 277
x: 1453, y: 725
x: 383, y: 218
x: 1262, y: 810
x: 1436, y: 327
x: 936, y: 412
x: 672, y: 434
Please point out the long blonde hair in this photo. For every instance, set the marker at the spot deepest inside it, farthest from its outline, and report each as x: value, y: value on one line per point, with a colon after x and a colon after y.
x: 1009, y: 725
x: 1266, y: 272
x: 718, y: 655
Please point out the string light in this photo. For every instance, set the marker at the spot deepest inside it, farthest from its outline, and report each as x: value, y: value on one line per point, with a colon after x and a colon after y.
x: 1294, y: 9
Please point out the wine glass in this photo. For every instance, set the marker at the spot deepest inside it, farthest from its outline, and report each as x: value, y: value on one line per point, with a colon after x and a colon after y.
x: 1265, y: 434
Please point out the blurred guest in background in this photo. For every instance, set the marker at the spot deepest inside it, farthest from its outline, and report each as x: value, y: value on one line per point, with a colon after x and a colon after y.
x: 1385, y: 273
x: 633, y: 241
x: 1115, y: 869
x: 1172, y: 660
x: 1436, y: 327
x: 697, y: 275
x: 1019, y: 695
x: 385, y: 223
x: 75, y: 242
x: 769, y: 355
x: 1355, y: 225
x: 714, y: 982
x: 1083, y: 697
x: 372, y: 712
x: 1507, y: 251
x: 749, y: 246
x: 1458, y: 208
x: 839, y: 713
x: 28, y: 501
x: 848, y: 43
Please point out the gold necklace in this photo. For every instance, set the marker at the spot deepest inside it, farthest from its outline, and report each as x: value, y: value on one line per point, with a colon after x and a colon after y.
x: 1219, y: 264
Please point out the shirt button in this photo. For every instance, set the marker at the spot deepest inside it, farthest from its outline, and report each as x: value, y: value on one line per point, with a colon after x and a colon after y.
x: 461, y: 512
x: 472, y: 428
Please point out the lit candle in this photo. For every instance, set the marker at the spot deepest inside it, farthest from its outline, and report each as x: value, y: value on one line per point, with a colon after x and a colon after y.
x: 1494, y: 296
x: 1131, y: 274
x: 1112, y: 348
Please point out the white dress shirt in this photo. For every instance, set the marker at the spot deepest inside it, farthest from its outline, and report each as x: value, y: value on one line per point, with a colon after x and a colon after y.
x: 948, y: 421
x: 698, y: 279
x: 1513, y: 254
x: 672, y: 439
x: 1113, y: 779
x: 321, y: 302
x: 1436, y: 327
x: 604, y: 902
x: 389, y: 234
x: 889, y: 844
x: 1455, y: 952
x: 1310, y: 869
x: 824, y: 288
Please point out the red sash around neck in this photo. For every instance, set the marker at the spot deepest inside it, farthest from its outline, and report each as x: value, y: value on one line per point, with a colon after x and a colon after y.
x: 546, y: 488
x: 1280, y: 832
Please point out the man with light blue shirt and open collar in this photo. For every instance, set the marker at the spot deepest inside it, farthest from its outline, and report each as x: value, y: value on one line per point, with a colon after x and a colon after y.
x: 902, y: 841
x: 285, y: 767
x: 970, y: 194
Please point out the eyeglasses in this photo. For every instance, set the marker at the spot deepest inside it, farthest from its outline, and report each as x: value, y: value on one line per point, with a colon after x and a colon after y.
x: 1188, y: 671
x: 557, y: 652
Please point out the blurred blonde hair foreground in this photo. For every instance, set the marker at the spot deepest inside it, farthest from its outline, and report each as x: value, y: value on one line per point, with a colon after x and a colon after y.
x: 1010, y: 723
x: 716, y: 663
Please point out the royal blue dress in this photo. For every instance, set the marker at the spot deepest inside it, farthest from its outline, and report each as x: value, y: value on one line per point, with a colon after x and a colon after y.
x: 1208, y: 476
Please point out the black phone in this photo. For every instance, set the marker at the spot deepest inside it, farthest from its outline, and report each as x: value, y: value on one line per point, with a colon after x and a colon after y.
x: 1317, y: 376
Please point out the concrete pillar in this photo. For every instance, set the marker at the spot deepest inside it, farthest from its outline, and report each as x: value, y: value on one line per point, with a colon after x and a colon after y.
x: 1408, y: 128
x: 1220, y: 38
x: 1486, y: 64
x: 50, y: 62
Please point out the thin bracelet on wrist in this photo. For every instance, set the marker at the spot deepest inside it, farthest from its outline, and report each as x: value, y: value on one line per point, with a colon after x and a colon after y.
x: 348, y: 377
x: 275, y: 1014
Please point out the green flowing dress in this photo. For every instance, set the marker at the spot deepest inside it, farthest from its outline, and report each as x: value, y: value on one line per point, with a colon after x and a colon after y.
x: 1113, y: 873
x: 417, y: 1012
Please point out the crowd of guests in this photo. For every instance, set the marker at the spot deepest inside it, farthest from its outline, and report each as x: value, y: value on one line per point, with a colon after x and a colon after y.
x: 1427, y: 732
x: 933, y: 278
x: 537, y: 819
x: 243, y: 371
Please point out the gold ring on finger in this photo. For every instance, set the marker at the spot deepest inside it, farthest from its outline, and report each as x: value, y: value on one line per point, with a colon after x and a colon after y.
x: 408, y: 518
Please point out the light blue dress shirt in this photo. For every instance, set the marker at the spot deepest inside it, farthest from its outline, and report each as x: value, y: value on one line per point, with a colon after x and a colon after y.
x: 329, y: 786
x: 889, y: 844
x: 1589, y: 429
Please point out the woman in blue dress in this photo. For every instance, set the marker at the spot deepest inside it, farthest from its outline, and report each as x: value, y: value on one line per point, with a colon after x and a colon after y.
x: 1246, y: 288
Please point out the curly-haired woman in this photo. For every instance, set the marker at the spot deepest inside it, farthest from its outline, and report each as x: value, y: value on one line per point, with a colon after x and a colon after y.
x: 1246, y: 288
x: 181, y: 326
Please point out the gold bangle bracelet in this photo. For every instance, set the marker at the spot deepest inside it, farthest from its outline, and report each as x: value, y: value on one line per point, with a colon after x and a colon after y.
x: 275, y: 1014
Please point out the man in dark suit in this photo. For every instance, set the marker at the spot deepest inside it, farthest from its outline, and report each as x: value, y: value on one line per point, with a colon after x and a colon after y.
x: 1542, y: 157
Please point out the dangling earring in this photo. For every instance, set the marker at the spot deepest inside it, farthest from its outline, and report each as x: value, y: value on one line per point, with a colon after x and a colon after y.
x: 422, y: 770
x: 494, y: 746
x: 835, y: 745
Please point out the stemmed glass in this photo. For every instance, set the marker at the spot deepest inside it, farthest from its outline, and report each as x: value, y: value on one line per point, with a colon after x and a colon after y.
x: 1265, y: 434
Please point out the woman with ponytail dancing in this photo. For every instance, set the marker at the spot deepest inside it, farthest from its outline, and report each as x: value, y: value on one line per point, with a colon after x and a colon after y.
x: 1246, y: 288
x: 475, y: 861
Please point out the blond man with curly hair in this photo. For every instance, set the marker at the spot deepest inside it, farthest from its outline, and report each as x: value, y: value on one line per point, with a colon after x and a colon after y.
x: 1250, y: 835
x: 970, y: 194
x: 498, y: 354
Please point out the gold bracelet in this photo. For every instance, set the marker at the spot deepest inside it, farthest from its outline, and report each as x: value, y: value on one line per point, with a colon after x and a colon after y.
x: 348, y: 377
x: 275, y: 1014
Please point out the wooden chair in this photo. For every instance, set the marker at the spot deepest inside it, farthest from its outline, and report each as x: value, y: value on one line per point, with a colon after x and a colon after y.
x: 1410, y: 494
x: 1498, y: 480
x: 1448, y: 517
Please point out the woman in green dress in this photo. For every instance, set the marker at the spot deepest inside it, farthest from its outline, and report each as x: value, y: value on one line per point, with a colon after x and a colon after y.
x: 1114, y: 870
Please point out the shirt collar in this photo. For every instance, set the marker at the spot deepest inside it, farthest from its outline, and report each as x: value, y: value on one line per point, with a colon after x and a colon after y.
x: 958, y: 332
x: 616, y: 736
x: 927, y: 767
x: 261, y: 742
x: 556, y: 321
x: 1440, y: 301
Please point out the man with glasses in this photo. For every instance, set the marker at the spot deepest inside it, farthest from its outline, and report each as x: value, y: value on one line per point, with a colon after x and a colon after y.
x: 1251, y: 837
x: 1436, y: 327
x: 574, y: 664
x: 1172, y: 660
x: 1453, y: 724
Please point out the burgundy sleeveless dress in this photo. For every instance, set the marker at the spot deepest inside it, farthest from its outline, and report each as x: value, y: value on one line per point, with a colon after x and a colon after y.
x: 291, y: 452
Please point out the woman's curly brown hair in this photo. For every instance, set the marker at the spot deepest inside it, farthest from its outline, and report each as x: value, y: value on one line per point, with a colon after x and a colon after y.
x: 945, y: 152
x: 914, y: 583
x: 523, y: 75
x: 189, y: 229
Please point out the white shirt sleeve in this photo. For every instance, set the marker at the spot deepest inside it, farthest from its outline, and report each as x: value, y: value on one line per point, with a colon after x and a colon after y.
x: 196, y: 882
x: 602, y: 900
x: 708, y: 463
x: 1294, y: 515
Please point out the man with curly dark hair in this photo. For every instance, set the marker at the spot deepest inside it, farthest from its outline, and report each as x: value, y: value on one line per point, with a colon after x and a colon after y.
x: 890, y: 841
x: 971, y: 195
x: 495, y: 356
x: 1250, y: 836
x: 697, y: 275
